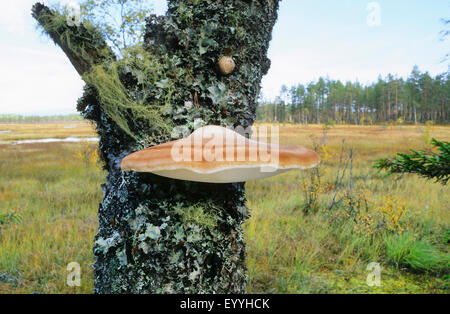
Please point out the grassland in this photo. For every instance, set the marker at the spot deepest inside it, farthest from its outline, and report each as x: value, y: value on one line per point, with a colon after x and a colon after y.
x: 49, y: 195
x: 30, y: 131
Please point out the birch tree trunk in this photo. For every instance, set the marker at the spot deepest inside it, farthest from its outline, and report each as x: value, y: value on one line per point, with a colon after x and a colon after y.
x: 158, y: 235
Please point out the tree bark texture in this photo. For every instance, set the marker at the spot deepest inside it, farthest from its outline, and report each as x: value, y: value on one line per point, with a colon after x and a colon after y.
x: 158, y: 235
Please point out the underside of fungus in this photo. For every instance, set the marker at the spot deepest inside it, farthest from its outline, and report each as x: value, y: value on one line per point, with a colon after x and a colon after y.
x: 214, y: 154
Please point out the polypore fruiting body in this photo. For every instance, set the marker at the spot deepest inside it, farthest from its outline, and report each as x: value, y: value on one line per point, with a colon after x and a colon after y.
x: 226, y: 65
x: 214, y: 154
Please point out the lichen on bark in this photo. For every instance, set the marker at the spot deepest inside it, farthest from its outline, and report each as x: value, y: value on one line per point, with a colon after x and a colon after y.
x: 158, y: 235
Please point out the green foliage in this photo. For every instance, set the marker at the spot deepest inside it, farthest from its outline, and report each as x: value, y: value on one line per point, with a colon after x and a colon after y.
x: 419, y: 255
x: 10, y: 218
x: 425, y: 164
x: 446, y: 237
x: 122, y: 22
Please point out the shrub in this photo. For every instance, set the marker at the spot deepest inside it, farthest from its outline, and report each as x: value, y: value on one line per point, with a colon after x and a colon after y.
x: 87, y: 154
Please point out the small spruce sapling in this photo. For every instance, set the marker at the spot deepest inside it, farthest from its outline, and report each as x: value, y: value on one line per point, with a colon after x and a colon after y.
x: 426, y: 164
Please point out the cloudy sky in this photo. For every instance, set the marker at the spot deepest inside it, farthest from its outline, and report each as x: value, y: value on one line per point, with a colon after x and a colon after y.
x: 341, y: 39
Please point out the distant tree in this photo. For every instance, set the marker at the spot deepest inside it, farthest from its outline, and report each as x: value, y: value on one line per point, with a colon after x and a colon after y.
x: 122, y: 22
x: 320, y: 90
x: 284, y: 99
x: 359, y: 100
x: 425, y: 164
x: 294, y: 103
x: 349, y: 88
x: 417, y: 99
x: 300, y: 101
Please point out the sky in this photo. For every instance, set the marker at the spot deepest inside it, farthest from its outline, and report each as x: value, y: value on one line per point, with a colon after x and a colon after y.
x: 340, y: 39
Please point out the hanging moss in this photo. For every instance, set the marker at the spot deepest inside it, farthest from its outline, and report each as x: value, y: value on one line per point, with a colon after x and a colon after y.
x: 100, y: 69
x: 117, y: 104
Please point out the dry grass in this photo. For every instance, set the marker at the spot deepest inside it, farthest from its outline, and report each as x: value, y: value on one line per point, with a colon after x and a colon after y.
x: 290, y: 252
x: 56, y: 195
x: 30, y: 131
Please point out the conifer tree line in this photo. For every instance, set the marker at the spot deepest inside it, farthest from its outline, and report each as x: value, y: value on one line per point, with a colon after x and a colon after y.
x: 417, y: 99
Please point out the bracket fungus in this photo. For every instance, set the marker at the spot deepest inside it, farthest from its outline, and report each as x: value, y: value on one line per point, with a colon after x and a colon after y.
x: 214, y: 154
x: 226, y: 65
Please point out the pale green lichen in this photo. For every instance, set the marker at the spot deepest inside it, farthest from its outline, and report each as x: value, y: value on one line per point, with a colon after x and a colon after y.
x: 152, y: 233
x: 103, y: 245
x: 122, y: 257
x: 196, y: 214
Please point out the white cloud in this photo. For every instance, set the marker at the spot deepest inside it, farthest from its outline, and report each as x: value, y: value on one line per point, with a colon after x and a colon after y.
x: 348, y: 61
x: 37, y: 82
x: 35, y: 75
x: 14, y: 14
